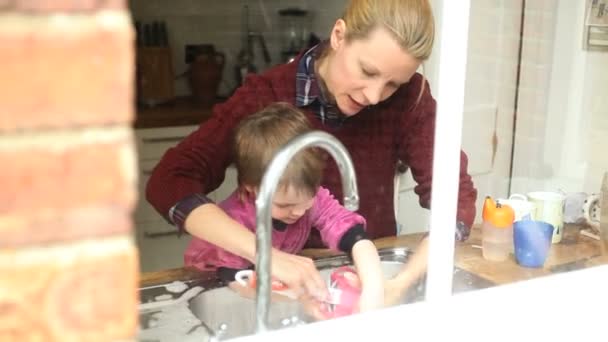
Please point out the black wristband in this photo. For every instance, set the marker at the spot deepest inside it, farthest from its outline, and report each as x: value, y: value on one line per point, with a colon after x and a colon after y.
x: 462, y: 231
x: 227, y: 274
x: 183, y: 208
x: 355, y: 234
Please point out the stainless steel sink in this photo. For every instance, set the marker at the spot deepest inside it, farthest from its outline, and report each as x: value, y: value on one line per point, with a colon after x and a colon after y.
x: 216, y: 305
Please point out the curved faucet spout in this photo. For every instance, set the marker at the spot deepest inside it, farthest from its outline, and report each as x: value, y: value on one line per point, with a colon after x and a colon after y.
x: 264, y: 200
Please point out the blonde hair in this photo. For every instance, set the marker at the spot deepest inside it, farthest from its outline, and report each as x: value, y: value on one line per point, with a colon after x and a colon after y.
x: 410, y: 21
x: 258, y: 138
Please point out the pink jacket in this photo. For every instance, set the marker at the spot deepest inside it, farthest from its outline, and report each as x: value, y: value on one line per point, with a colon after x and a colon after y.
x: 327, y: 215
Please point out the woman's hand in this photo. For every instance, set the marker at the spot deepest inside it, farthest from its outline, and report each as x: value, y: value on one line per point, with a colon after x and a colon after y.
x: 371, y: 299
x: 395, y: 289
x: 393, y: 292
x: 299, y: 274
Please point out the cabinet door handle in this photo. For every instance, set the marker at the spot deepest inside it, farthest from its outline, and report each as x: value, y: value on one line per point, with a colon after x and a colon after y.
x: 149, y: 235
x: 162, y: 139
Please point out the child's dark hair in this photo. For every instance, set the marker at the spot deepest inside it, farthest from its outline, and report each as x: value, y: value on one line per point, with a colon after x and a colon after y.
x: 258, y: 138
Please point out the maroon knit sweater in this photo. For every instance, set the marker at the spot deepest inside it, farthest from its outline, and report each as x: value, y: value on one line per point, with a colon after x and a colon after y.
x: 400, y: 128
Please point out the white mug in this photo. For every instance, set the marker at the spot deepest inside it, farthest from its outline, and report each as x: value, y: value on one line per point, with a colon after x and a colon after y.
x: 591, y: 211
x: 550, y: 208
x: 524, y: 209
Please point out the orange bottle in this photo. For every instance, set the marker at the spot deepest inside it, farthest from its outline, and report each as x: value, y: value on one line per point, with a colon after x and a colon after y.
x: 497, y: 230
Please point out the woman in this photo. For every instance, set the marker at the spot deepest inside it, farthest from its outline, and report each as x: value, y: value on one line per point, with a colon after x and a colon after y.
x: 361, y: 86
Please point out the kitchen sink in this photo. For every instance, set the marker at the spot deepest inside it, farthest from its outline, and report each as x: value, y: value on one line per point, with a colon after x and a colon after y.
x: 215, y: 309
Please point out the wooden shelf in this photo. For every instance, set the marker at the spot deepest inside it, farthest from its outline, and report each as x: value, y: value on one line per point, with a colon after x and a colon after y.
x: 182, y: 111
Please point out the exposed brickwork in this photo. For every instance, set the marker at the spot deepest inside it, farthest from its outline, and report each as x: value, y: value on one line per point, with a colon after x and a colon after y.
x: 62, y: 172
x: 18, y: 230
x: 5, y: 4
x: 68, y: 264
x: 66, y: 71
x: 63, y: 186
x: 81, y: 292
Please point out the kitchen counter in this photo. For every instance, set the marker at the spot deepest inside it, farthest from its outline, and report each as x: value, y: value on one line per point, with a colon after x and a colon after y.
x: 574, y: 252
x: 182, y: 111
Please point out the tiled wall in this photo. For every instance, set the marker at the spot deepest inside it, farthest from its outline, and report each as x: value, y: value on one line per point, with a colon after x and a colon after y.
x: 490, y: 91
x: 68, y: 264
x: 562, y: 130
x: 489, y: 105
x: 534, y: 93
x: 595, y: 109
x: 490, y: 94
x: 559, y: 88
x: 219, y: 23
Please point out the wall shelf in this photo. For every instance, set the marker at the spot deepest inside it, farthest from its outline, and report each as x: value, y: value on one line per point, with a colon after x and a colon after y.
x: 595, y: 34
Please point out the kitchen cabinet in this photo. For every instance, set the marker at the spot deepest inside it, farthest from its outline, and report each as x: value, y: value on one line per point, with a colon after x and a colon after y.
x: 159, y: 245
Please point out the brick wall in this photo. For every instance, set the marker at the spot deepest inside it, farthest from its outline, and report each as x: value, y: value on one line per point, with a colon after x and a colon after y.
x: 68, y: 264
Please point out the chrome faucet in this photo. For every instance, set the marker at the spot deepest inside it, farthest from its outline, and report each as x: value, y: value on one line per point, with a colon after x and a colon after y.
x: 264, y: 200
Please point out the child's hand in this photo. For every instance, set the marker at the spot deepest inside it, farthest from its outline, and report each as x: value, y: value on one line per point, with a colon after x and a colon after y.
x: 318, y: 310
x: 369, y: 270
x: 299, y: 273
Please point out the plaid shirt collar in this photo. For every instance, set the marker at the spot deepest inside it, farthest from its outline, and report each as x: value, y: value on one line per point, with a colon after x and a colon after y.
x: 308, y: 92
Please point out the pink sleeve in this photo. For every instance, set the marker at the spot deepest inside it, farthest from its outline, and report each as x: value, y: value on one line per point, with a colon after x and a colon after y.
x: 332, y: 219
x: 205, y: 255
x: 242, y: 213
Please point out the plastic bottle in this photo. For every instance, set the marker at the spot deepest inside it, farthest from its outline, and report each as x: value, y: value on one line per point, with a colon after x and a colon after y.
x: 497, y: 230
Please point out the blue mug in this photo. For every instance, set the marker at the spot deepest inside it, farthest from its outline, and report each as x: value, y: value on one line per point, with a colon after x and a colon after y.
x: 532, y: 241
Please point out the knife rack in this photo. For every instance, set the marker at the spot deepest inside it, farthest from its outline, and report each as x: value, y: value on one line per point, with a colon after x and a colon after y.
x: 155, y: 76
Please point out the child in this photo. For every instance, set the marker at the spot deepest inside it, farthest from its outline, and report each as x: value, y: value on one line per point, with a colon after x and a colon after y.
x: 300, y: 204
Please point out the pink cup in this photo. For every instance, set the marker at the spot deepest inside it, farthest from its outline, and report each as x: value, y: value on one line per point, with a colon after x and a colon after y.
x: 345, y: 291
